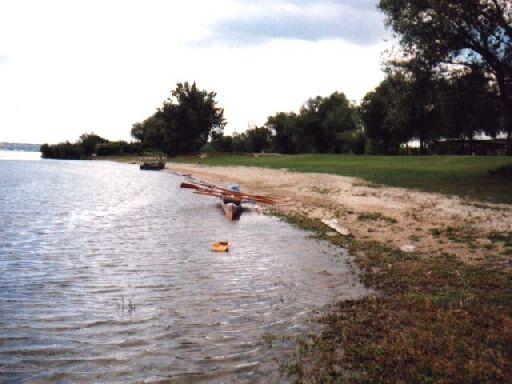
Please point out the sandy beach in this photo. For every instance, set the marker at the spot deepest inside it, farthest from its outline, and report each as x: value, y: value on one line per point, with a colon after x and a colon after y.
x: 414, y: 221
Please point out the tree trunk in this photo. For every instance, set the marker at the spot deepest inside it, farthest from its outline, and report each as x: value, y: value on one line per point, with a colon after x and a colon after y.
x: 508, y: 146
x: 508, y: 130
x: 506, y: 99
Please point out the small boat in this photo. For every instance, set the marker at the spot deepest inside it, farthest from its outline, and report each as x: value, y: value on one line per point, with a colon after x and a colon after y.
x: 231, y: 197
x: 232, y: 209
x: 220, y: 246
x: 154, y: 166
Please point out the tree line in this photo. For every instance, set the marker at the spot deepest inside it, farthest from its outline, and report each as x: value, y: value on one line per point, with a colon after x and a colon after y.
x: 183, y: 124
x: 449, y: 79
x: 406, y: 106
x: 89, y: 144
x: 452, y: 74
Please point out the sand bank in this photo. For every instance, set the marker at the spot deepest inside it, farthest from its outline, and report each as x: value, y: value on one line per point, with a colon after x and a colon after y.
x: 415, y: 221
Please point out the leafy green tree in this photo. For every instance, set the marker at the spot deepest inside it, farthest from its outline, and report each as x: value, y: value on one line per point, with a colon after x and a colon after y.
x: 337, y: 117
x: 320, y: 122
x: 324, y: 124
x: 385, y: 113
x: 66, y: 151
x: 138, y: 131
x: 119, y: 148
x: 239, y: 142
x: 467, y: 108
x: 150, y: 132
x: 90, y: 142
x: 353, y: 141
x: 284, y: 124
x: 420, y: 104
x: 447, y: 35
x: 188, y: 118
x: 307, y: 133
x: 258, y: 140
x: 222, y: 143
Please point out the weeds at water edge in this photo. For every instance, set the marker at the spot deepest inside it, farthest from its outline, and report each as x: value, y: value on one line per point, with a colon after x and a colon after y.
x: 435, y: 319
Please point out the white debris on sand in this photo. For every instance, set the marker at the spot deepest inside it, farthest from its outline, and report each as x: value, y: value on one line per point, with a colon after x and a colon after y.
x: 333, y: 224
x: 408, y: 248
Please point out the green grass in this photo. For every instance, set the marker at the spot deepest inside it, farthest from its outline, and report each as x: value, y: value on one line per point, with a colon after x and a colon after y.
x: 486, y: 178
x: 433, y: 320
x: 376, y: 216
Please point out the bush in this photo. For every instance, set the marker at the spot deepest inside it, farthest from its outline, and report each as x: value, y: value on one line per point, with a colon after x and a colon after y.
x: 118, y: 148
x: 223, y: 144
x: 65, y: 151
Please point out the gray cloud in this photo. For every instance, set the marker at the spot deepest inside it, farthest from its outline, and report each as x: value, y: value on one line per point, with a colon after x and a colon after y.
x: 356, y: 21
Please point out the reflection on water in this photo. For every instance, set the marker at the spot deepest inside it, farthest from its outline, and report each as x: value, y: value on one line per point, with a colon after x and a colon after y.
x: 106, y: 275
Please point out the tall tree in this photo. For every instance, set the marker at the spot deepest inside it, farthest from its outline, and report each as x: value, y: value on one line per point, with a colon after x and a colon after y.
x: 89, y: 142
x: 422, y: 107
x: 188, y: 118
x: 321, y: 122
x: 466, y: 108
x: 284, y: 125
x: 337, y: 117
x: 454, y: 34
x: 258, y: 139
x: 386, y: 113
x: 150, y: 132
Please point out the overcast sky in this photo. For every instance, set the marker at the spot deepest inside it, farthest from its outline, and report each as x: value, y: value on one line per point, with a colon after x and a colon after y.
x: 71, y: 66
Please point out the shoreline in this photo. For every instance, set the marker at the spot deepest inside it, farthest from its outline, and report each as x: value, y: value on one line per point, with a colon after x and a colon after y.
x: 413, y: 221
x: 442, y: 311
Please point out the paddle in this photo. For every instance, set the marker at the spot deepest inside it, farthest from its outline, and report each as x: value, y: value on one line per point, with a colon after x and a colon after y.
x: 210, y: 189
x: 190, y: 186
x: 218, y: 194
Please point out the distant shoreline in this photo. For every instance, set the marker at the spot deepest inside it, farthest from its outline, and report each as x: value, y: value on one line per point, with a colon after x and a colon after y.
x: 20, y: 147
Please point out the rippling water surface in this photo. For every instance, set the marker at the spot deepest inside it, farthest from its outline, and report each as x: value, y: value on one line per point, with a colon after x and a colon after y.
x: 106, y: 275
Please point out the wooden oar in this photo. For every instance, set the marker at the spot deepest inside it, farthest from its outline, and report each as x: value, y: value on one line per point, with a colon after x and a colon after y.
x: 224, y: 191
x: 190, y: 186
x: 244, y: 195
x: 218, y: 194
x: 207, y: 193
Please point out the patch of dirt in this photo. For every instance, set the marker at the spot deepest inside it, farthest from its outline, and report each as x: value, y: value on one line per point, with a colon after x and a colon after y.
x: 433, y: 223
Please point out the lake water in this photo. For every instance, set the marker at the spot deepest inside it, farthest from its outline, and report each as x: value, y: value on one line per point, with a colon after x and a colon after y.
x: 19, y: 155
x: 106, y: 275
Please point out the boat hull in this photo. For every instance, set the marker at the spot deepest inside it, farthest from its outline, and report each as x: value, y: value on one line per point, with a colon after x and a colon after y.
x: 152, y: 166
x: 231, y: 210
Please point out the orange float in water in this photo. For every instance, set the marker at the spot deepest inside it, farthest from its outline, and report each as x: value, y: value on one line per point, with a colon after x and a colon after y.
x: 220, y: 246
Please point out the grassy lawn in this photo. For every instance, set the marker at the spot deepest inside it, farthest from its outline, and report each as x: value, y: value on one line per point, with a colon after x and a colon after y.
x: 467, y: 176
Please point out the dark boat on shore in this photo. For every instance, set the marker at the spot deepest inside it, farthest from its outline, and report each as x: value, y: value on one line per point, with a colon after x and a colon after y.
x: 153, y: 166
